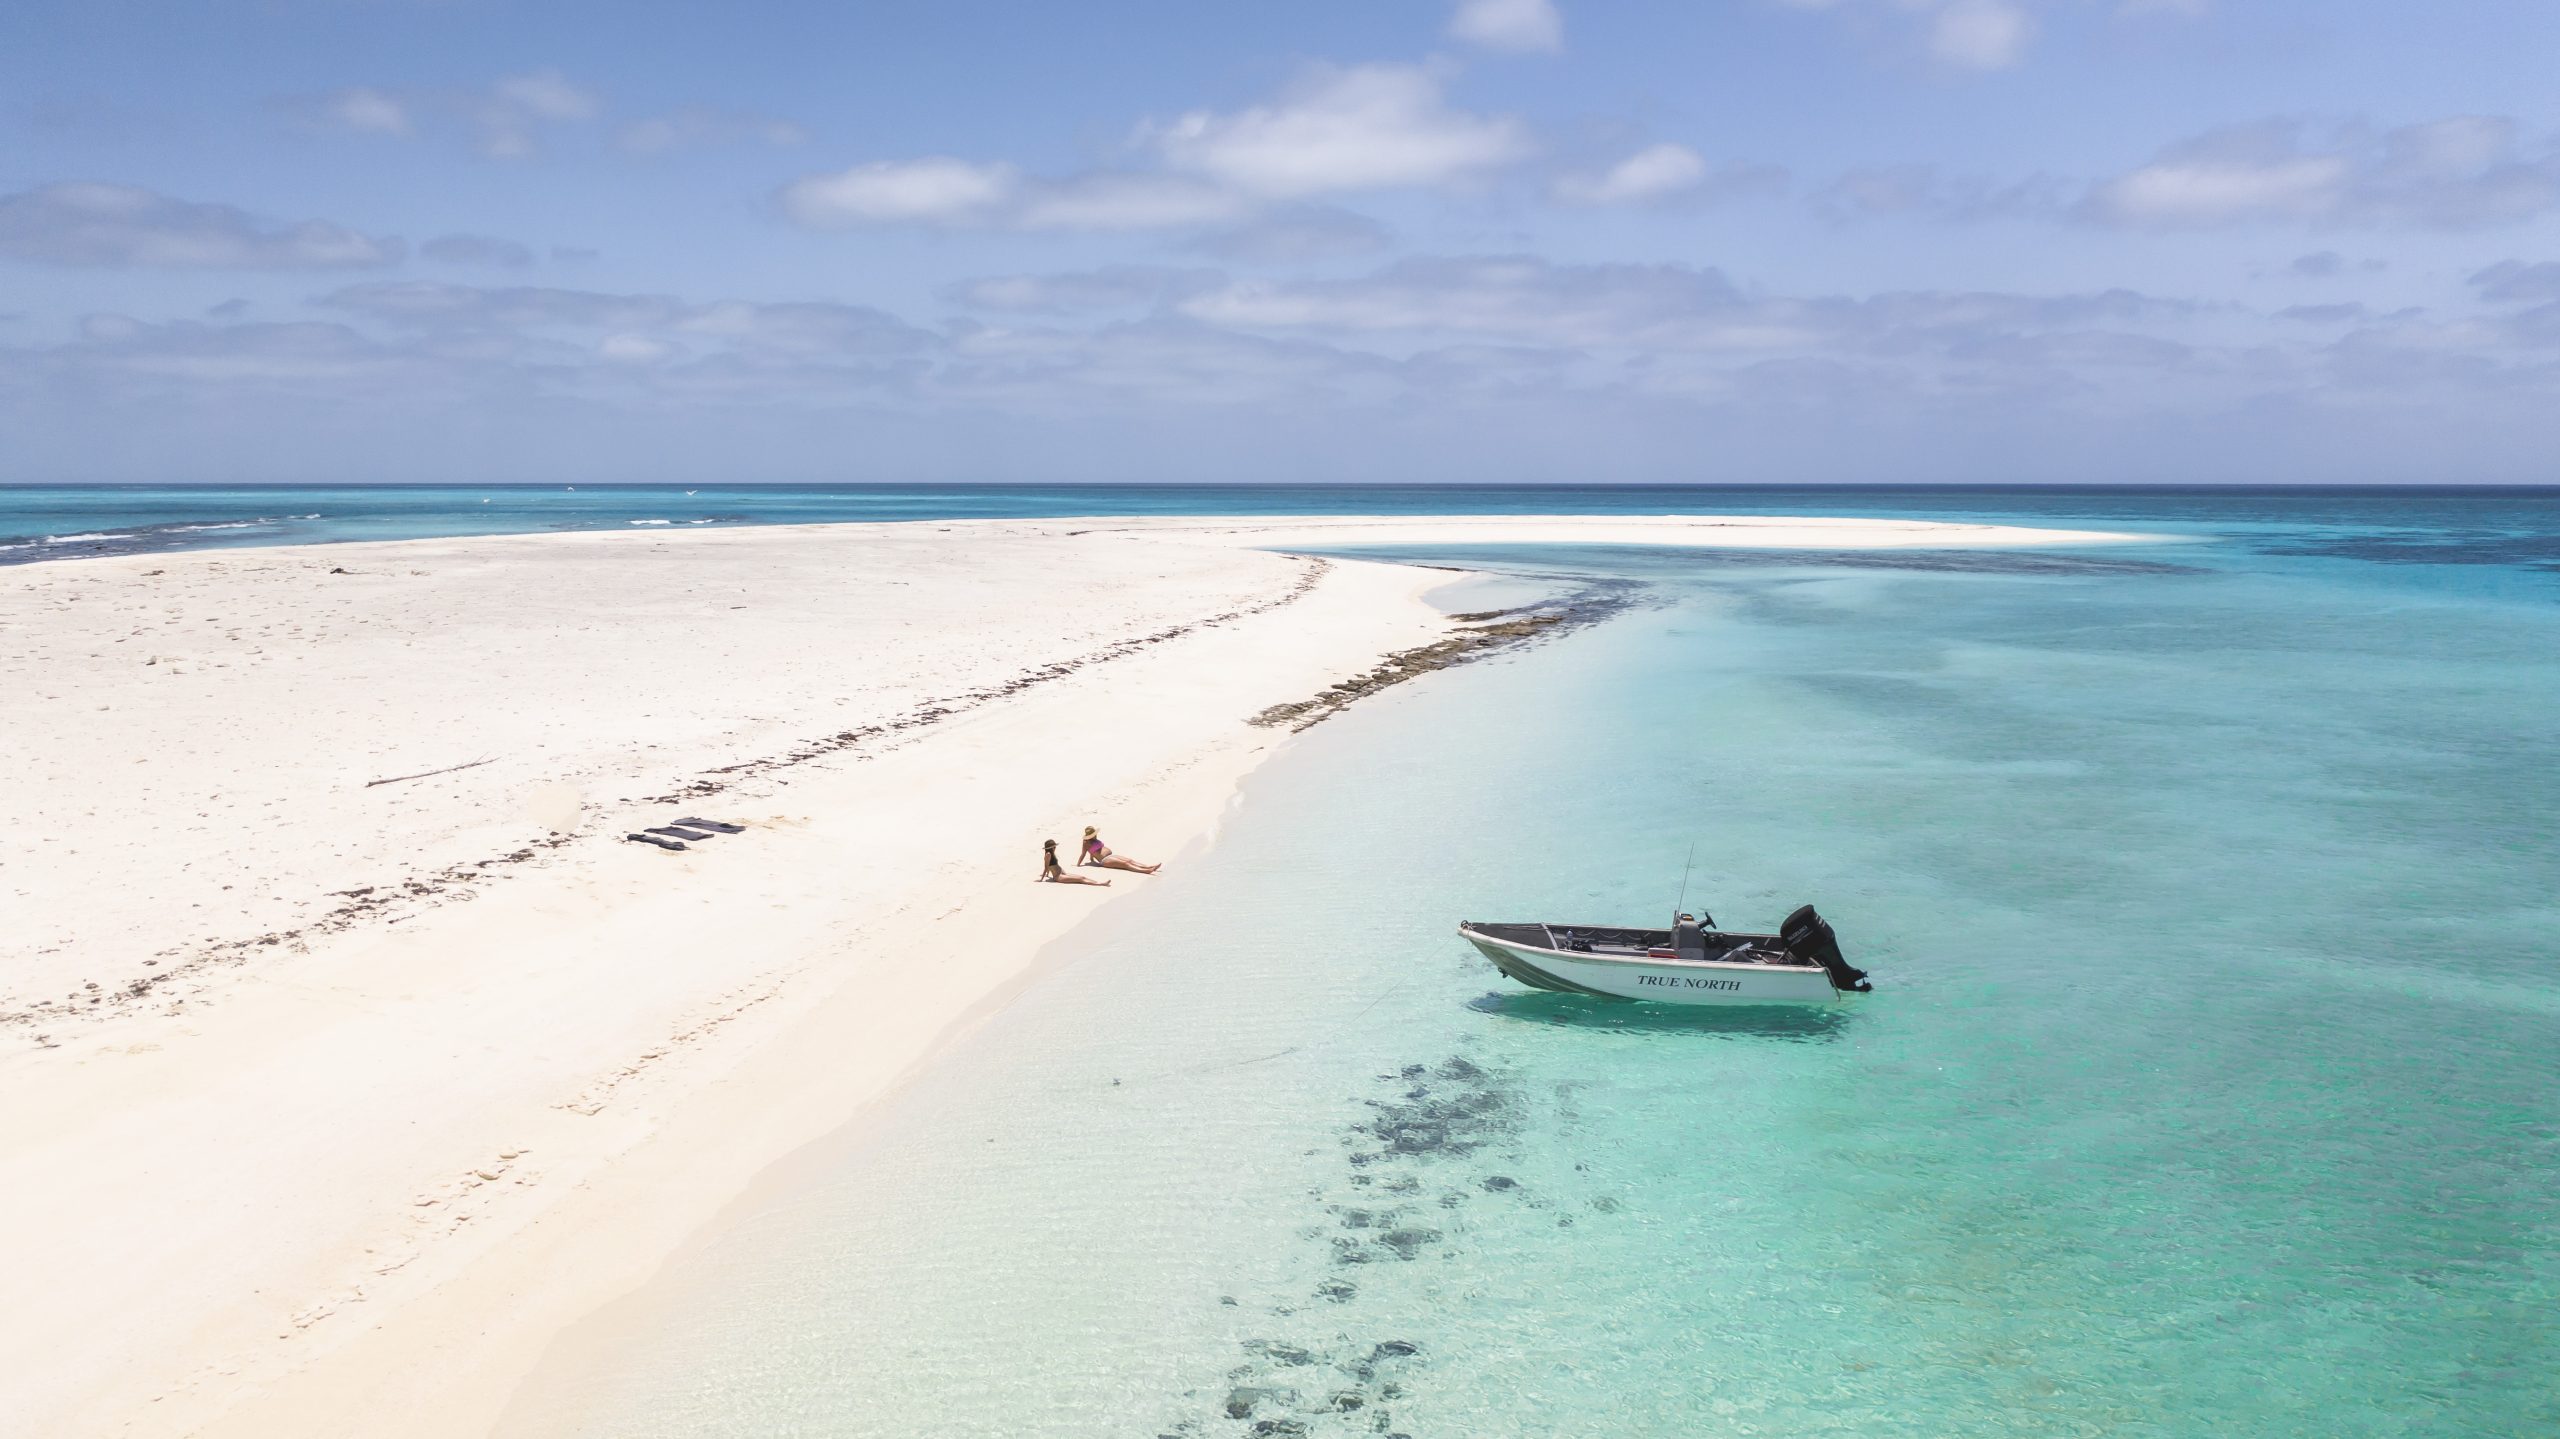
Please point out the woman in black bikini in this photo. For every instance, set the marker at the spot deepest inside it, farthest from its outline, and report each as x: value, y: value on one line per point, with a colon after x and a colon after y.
x: 1050, y: 873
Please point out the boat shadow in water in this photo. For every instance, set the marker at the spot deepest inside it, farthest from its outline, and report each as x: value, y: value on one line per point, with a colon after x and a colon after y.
x: 1794, y: 1022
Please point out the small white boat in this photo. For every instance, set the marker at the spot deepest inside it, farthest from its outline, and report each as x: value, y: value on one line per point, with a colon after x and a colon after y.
x: 1688, y: 964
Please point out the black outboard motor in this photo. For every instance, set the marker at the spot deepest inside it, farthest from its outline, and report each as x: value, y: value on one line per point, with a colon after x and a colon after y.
x: 1808, y: 937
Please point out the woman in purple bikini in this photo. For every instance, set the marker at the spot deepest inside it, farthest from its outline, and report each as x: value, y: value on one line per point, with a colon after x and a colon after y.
x: 1098, y: 853
x: 1050, y: 873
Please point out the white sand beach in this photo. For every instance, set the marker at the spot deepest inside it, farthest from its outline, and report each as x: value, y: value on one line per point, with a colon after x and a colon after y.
x: 347, y: 1051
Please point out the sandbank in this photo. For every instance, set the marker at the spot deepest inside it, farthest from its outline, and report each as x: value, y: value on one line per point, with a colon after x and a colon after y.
x: 1745, y: 532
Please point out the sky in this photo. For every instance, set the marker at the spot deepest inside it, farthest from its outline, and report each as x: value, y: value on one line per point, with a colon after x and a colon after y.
x: 1458, y: 241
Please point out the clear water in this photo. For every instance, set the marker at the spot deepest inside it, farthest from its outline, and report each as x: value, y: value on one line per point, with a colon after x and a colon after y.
x: 2211, y: 1084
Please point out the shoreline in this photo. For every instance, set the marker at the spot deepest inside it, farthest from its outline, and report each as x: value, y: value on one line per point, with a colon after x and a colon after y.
x: 360, y: 1186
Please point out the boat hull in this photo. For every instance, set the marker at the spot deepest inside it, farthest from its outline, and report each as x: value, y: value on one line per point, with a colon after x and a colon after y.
x: 1662, y: 981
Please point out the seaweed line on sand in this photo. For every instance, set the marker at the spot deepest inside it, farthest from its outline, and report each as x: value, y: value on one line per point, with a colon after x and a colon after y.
x: 934, y: 711
x: 1481, y: 634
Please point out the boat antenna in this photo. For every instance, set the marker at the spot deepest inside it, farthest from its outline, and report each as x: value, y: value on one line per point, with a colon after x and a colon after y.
x: 1684, y: 882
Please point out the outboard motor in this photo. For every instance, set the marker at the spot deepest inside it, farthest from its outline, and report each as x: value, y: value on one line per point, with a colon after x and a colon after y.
x: 1808, y: 937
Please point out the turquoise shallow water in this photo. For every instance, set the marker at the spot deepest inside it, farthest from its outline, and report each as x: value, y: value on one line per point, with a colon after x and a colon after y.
x: 2211, y: 1085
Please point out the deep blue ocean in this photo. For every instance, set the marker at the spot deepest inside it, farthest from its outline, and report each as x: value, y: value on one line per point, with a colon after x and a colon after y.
x: 2211, y: 1084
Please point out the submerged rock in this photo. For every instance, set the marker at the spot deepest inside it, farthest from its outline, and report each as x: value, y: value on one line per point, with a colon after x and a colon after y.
x: 1407, y: 1243
x: 1243, y: 1400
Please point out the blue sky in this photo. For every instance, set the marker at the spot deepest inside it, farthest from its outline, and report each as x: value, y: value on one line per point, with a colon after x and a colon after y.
x: 1443, y: 240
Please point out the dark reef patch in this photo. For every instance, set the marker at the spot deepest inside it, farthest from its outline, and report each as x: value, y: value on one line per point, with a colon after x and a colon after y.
x: 2425, y: 547
x: 1413, y: 1150
x: 1981, y: 562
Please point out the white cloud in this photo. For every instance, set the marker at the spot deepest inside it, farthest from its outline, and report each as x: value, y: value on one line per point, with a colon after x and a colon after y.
x: 1650, y: 314
x: 431, y: 305
x: 546, y: 95
x: 1160, y: 360
x: 2452, y: 148
x: 120, y: 226
x: 1508, y: 24
x: 459, y: 317
x: 1653, y: 173
x: 1965, y: 34
x: 1493, y: 358
x: 935, y: 190
x: 1295, y: 235
x: 1925, y: 191
x: 2341, y: 313
x: 1118, y: 200
x: 633, y: 349
x: 191, y: 357
x: 511, y: 116
x: 1116, y: 287
x: 483, y: 251
x: 1368, y: 127
x: 696, y: 126
x: 2462, y: 171
x: 2205, y: 191
x: 1981, y: 34
x: 453, y: 346
x: 961, y: 194
x: 367, y: 110
x: 1512, y: 298
x: 2511, y: 281
x: 804, y: 327
x: 505, y: 120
